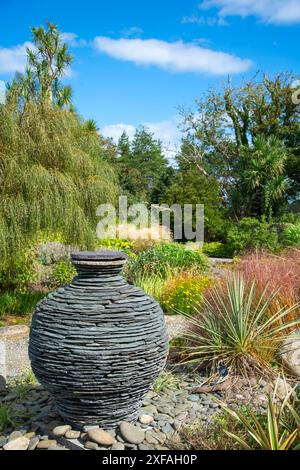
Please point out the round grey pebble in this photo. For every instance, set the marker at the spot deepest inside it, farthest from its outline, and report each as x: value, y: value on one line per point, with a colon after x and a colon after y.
x: 131, y: 433
x: 167, y: 428
x: 91, y: 445
x: 118, y: 446
x: 193, y: 398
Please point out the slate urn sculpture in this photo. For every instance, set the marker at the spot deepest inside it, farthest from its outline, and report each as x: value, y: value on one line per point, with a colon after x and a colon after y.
x: 98, y: 344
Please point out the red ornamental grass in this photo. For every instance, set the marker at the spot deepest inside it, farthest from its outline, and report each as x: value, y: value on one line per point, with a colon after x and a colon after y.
x: 276, y: 272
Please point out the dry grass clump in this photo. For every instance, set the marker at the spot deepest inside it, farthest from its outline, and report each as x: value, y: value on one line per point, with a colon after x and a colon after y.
x: 154, y: 232
x: 143, y: 238
x: 212, y: 437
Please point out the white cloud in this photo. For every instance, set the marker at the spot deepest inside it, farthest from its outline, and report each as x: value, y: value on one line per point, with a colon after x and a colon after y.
x: 115, y: 131
x: 13, y: 59
x: 73, y: 40
x: 269, y: 11
x: 173, y: 56
x: 132, y: 31
x: 166, y: 131
x: 204, y: 20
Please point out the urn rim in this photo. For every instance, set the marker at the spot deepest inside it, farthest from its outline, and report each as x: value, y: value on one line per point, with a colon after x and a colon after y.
x: 98, y: 256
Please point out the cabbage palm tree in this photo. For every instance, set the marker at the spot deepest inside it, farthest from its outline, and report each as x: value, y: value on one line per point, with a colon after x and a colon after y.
x: 264, y: 174
x: 47, y: 63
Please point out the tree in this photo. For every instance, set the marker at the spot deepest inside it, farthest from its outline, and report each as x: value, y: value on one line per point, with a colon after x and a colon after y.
x: 124, y: 146
x: 52, y: 178
x: 142, y: 168
x: 128, y: 171
x: 54, y: 169
x: 47, y: 64
x: 220, y: 141
x: 152, y: 164
x: 263, y: 177
x: 189, y: 186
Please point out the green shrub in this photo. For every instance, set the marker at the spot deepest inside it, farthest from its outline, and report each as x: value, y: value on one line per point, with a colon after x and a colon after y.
x: 251, y: 234
x: 217, y: 250
x: 63, y: 273
x: 247, y: 428
x: 291, y: 235
x: 165, y: 259
x: 53, y: 177
x: 184, y: 293
x: 26, y: 379
x: 19, y: 303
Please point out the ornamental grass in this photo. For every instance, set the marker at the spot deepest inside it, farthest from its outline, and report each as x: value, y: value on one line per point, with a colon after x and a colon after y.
x: 234, y: 327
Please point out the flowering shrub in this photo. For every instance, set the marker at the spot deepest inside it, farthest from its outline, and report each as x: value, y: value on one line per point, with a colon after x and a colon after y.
x: 184, y: 293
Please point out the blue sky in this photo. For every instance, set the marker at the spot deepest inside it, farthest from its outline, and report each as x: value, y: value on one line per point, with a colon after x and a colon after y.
x: 136, y: 62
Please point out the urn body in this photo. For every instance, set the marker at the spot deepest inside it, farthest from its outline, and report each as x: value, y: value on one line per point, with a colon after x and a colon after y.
x: 98, y: 344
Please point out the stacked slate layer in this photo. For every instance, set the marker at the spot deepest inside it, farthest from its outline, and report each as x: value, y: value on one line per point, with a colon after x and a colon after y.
x: 98, y: 344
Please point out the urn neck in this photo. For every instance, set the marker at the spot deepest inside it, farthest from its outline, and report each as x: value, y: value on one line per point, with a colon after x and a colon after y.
x: 102, y: 263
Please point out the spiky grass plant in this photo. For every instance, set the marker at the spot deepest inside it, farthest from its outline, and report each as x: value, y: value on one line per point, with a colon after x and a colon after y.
x: 233, y: 327
x: 282, y: 429
x: 166, y: 380
x: 7, y: 417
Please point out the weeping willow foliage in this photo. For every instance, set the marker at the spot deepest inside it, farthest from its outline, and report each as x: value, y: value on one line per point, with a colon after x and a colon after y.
x: 52, y: 177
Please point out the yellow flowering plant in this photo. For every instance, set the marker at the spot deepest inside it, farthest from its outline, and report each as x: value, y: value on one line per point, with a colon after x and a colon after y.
x: 184, y: 292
